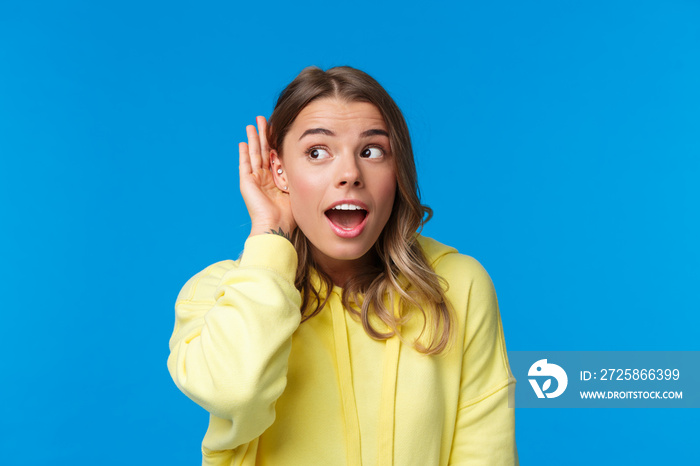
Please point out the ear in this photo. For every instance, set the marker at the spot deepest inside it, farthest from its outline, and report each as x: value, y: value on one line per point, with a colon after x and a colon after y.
x: 278, y: 172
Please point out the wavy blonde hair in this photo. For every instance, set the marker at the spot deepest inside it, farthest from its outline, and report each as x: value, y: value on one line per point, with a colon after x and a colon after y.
x: 401, y: 271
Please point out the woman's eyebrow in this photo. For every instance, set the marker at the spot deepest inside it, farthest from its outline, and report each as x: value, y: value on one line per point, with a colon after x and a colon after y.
x: 327, y: 132
x: 374, y: 132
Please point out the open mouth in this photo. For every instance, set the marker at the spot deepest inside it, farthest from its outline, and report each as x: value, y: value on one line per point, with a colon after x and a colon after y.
x: 346, y: 216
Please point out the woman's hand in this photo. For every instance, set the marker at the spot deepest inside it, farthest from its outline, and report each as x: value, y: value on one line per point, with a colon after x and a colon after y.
x: 268, y: 206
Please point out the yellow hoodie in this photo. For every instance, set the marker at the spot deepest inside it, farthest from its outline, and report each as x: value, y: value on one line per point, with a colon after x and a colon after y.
x: 325, y: 393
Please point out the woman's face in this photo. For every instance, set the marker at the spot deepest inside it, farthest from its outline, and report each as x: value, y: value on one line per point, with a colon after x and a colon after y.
x: 339, y: 170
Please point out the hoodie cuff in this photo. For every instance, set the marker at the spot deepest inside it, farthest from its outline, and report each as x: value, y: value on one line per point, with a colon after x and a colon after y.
x: 271, y: 252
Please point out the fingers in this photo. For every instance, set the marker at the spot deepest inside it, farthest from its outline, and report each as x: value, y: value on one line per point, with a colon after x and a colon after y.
x: 254, y: 148
x: 264, y: 146
x: 258, y: 148
x: 244, y: 167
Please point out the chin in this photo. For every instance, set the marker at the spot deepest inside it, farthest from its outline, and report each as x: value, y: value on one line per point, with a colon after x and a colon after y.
x: 347, y: 252
x: 343, y: 250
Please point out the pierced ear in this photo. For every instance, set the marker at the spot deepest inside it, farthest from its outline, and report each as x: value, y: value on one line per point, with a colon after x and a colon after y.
x: 278, y: 173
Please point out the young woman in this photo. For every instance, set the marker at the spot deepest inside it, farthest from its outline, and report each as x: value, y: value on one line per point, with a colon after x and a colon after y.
x: 341, y: 336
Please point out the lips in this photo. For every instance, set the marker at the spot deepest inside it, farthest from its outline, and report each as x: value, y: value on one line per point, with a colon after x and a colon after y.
x: 347, y: 218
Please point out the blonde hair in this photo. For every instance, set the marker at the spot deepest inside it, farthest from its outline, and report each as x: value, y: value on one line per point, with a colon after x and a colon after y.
x: 402, y: 273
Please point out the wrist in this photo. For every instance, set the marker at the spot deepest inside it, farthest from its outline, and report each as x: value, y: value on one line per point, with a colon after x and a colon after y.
x: 276, y: 229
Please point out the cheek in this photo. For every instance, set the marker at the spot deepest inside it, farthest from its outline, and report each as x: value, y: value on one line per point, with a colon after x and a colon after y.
x: 387, y: 193
x: 390, y: 190
x: 305, y: 195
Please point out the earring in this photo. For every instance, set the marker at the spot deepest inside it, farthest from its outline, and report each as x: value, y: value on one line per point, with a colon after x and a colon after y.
x: 279, y: 170
x: 284, y: 189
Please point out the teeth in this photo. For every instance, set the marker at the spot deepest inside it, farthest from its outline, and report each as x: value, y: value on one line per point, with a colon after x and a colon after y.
x: 347, y: 207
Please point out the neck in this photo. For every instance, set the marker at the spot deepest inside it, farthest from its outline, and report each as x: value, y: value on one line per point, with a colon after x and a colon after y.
x: 340, y: 271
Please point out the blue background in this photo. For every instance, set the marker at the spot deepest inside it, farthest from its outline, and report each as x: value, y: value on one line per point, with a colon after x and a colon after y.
x: 557, y: 142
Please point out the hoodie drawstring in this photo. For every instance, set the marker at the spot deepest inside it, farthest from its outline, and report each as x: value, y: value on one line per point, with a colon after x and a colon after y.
x: 347, y: 392
x: 388, y: 402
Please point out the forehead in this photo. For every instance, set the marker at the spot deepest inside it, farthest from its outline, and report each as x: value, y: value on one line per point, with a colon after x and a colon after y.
x: 338, y: 115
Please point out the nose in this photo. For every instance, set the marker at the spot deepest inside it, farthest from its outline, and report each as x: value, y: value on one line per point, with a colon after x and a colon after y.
x: 349, y: 173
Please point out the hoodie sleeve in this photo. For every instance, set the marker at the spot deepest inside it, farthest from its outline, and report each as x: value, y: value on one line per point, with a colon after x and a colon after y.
x: 230, y: 347
x: 485, y: 426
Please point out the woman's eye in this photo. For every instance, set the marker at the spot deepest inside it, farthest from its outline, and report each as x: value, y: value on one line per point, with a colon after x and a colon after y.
x: 316, y: 153
x: 372, y: 153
